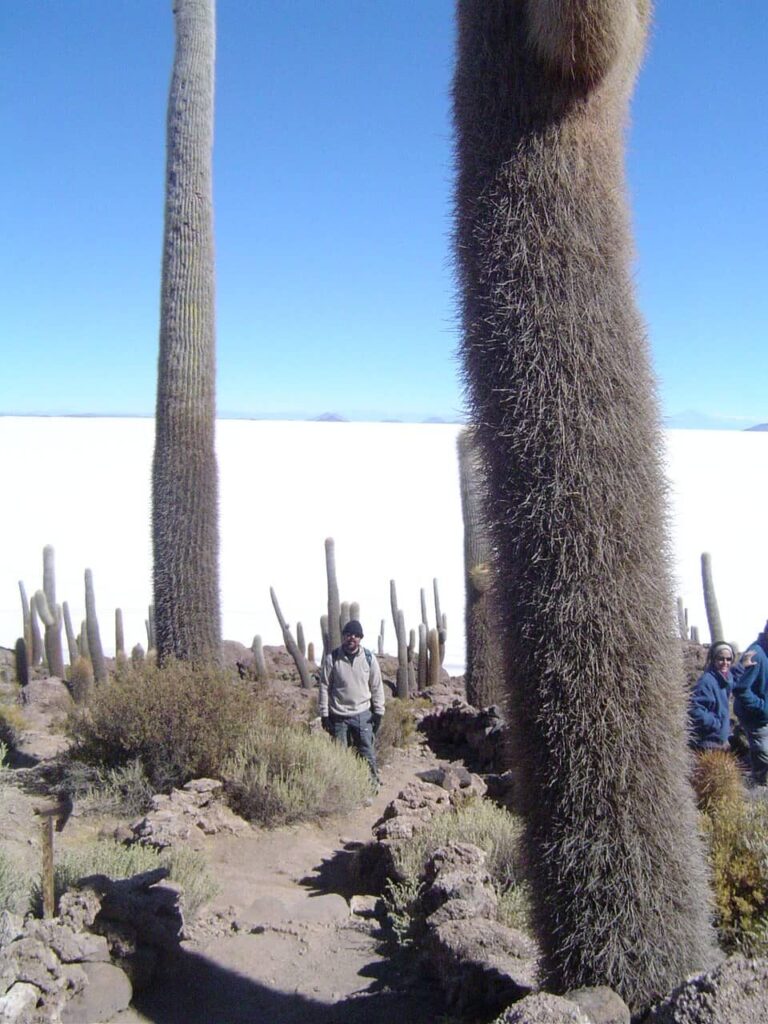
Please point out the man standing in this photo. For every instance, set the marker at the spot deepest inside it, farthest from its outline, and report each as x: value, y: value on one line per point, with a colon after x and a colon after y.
x: 750, y: 702
x: 352, y: 694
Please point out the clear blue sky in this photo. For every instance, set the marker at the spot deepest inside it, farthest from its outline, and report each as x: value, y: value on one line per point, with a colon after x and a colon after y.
x: 333, y: 172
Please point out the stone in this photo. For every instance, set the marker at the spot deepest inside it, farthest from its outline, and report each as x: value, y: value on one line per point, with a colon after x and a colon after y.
x: 543, y: 1008
x: 736, y: 992
x: 70, y: 946
x: 107, y: 993
x: 19, y: 1002
x: 364, y: 906
x: 11, y: 927
x: 601, y: 1004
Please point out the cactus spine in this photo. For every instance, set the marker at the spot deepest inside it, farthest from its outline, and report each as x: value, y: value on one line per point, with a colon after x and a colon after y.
x: 95, y: 650
x: 185, y: 534
x: 710, y: 599
x: 562, y: 398
x: 334, y: 608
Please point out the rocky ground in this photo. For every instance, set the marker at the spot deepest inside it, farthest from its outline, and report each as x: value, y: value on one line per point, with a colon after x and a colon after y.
x: 279, y: 941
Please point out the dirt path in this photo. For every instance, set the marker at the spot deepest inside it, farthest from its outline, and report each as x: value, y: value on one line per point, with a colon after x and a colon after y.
x: 285, y: 947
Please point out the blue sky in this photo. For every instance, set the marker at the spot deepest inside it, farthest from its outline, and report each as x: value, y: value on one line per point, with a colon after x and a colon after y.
x: 333, y: 172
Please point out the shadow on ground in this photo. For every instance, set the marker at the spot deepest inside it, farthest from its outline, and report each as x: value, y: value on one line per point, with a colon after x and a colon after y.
x: 193, y: 990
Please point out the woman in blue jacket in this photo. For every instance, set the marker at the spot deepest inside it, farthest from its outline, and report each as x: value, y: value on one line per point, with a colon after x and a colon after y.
x: 709, y: 713
x: 750, y: 702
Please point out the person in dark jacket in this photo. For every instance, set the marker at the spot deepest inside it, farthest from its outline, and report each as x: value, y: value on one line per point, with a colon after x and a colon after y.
x: 709, y: 712
x: 750, y: 702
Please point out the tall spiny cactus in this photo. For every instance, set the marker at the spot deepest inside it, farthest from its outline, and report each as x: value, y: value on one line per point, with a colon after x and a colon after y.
x: 483, y: 676
x: 185, y: 535
x: 402, y: 656
x: 334, y: 606
x: 22, y: 662
x: 53, y: 647
x: 563, y: 401
x: 95, y: 650
x: 291, y: 645
x: 710, y: 599
x: 119, y: 636
x: 70, y: 633
x: 421, y: 667
x: 27, y: 624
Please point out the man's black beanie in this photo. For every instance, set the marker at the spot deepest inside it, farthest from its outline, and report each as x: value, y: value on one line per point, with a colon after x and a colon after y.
x: 353, y: 627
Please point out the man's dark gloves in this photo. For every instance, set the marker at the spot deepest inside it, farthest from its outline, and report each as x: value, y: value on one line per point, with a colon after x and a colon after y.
x: 376, y: 723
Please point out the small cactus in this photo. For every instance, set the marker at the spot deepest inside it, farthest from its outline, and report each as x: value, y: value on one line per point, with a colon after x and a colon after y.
x: 22, y: 662
x: 291, y: 645
x: 119, y: 636
x: 81, y: 680
x: 259, y: 661
x: 53, y: 648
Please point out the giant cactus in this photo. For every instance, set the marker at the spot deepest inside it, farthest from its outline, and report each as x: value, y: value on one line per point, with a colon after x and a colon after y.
x: 563, y: 402
x: 185, y: 535
x: 93, y: 633
x: 53, y: 647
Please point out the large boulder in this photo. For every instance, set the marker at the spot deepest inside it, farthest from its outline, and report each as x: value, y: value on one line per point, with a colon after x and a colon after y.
x: 736, y: 992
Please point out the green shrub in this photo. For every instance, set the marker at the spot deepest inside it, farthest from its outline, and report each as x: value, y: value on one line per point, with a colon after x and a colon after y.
x: 180, y: 722
x: 125, y: 791
x: 116, y: 861
x: 398, y: 727
x: 283, y: 773
x: 480, y: 822
x: 14, y: 886
x: 402, y: 904
x: 737, y: 831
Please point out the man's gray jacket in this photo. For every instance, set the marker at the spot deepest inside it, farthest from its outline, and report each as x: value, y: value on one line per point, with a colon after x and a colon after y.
x: 350, y: 687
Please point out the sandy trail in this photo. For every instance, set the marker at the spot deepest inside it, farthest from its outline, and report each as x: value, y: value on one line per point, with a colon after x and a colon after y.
x: 295, y: 953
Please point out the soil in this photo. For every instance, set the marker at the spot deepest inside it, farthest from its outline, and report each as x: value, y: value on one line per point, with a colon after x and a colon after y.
x: 279, y: 942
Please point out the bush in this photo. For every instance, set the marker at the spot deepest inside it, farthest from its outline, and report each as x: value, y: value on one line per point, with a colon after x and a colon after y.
x: 125, y: 791
x: 181, y: 722
x: 737, y: 831
x: 480, y: 822
x: 12, y: 725
x: 282, y: 773
x: 14, y: 886
x: 185, y: 867
x: 398, y: 727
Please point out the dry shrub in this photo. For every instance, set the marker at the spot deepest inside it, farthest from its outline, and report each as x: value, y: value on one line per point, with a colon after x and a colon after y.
x: 738, y: 840
x: 398, y: 727
x: 716, y: 778
x: 12, y: 724
x: 481, y: 823
x: 105, y: 857
x: 180, y: 721
x: 13, y: 885
x: 283, y: 773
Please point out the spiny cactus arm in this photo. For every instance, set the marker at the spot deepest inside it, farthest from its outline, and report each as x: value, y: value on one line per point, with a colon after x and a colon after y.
x: 393, y: 603
x: 423, y: 600
x: 34, y: 630
x: 381, y: 638
x: 41, y: 604
x: 354, y: 610
x: 438, y: 612
x: 27, y: 625
x: 710, y: 599
x: 95, y: 649
x: 301, y: 643
x: 290, y: 644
